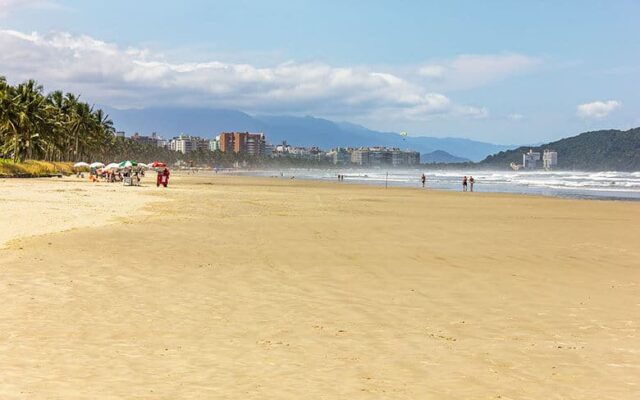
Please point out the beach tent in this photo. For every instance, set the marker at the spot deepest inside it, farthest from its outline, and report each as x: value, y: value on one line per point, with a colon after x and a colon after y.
x: 97, y: 165
x: 157, y: 164
x: 127, y: 164
x: 81, y: 165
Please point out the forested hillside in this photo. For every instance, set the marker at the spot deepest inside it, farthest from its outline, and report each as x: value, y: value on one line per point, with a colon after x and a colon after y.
x: 609, y: 150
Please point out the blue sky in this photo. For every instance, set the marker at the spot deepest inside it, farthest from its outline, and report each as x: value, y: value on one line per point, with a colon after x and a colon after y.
x: 500, y: 71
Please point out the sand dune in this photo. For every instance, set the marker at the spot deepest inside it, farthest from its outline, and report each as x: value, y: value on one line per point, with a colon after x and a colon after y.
x: 265, y: 288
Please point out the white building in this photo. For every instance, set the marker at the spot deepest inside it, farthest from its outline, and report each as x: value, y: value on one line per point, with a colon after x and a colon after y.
x: 530, y: 159
x: 214, y: 144
x: 549, y: 159
x: 186, y: 144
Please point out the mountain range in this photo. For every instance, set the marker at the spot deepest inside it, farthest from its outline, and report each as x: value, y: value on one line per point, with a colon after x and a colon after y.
x: 297, y: 131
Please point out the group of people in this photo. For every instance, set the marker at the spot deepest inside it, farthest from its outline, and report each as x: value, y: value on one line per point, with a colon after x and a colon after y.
x: 467, y: 183
x: 114, y: 176
x: 134, y: 176
x: 340, y: 177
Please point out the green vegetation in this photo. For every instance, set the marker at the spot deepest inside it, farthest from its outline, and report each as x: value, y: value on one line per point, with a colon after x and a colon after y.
x: 53, y: 127
x: 9, y: 168
x: 609, y: 150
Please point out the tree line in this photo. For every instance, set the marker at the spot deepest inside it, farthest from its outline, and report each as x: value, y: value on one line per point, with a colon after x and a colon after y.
x: 52, y: 127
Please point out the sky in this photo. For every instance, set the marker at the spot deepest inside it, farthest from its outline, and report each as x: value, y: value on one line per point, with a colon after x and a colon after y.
x: 508, y: 72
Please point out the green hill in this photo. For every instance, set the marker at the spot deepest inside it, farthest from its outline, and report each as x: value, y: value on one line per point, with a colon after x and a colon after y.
x: 609, y: 150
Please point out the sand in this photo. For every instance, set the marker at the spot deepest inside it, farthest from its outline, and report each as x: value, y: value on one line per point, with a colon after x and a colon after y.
x: 38, y: 206
x: 247, y: 288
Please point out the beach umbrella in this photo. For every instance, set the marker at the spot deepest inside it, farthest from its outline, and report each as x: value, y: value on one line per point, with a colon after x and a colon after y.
x: 127, y: 164
x: 80, y: 165
x: 97, y: 165
x: 143, y: 165
x: 112, y: 166
x: 158, y: 164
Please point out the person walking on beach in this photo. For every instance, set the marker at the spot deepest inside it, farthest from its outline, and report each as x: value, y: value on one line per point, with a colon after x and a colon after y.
x: 464, y: 184
x: 471, y: 182
x: 159, y: 179
x: 423, y: 179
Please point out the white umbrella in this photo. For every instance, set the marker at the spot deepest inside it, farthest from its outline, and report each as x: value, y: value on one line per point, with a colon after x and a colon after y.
x: 97, y: 165
x: 112, y: 166
x: 80, y: 165
x: 143, y: 165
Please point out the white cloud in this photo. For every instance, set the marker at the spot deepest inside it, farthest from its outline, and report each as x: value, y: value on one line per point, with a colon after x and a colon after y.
x: 597, y: 109
x: 472, y: 70
x: 515, y: 116
x: 8, y: 6
x: 433, y: 71
x: 131, y: 77
x: 473, y: 112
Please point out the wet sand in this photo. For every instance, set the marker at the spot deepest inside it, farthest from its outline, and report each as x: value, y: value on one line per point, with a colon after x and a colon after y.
x: 251, y: 288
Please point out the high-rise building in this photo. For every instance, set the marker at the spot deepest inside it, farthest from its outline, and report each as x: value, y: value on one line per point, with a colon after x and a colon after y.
x: 186, y: 144
x: 214, y: 144
x: 380, y: 156
x: 252, y: 144
x: 530, y: 159
x: 549, y: 159
x: 340, y: 156
x: 360, y: 156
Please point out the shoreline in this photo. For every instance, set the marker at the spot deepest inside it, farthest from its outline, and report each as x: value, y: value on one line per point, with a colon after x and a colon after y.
x: 101, y: 218
x: 495, y: 182
x: 145, y: 199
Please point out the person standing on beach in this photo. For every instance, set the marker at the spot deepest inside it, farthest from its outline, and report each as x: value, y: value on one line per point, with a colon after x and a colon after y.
x: 165, y: 177
x: 464, y: 184
x: 423, y: 179
x: 471, y: 182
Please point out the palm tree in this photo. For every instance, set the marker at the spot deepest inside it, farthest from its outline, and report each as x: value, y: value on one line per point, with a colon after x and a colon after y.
x: 59, y: 127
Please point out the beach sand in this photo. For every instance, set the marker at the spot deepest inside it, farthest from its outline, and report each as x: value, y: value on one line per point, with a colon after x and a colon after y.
x: 247, y: 288
x: 32, y: 207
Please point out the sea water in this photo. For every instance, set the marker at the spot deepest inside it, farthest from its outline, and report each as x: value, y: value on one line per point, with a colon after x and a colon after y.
x: 597, y: 185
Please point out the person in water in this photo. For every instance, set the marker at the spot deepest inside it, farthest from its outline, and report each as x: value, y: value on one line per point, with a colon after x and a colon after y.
x: 464, y: 184
x: 423, y: 179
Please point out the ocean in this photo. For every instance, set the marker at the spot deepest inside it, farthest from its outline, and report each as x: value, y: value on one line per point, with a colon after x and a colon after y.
x: 574, y: 184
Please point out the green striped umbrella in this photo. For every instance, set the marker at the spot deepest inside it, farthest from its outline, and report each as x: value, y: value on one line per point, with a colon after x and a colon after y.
x: 127, y: 164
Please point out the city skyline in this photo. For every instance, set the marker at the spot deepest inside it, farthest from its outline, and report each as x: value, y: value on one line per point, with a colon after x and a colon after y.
x: 502, y: 73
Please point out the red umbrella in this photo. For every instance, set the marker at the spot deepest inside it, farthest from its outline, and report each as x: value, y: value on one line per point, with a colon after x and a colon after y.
x: 158, y: 164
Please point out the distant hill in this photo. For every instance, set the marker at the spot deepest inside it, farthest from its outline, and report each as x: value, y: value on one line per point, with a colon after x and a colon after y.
x: 298, y: 131
x: 609, y: 150
x: 440, y: 156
